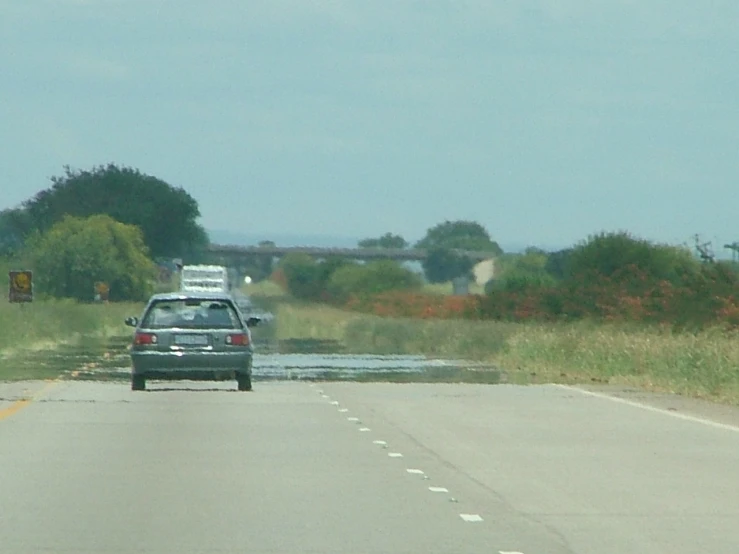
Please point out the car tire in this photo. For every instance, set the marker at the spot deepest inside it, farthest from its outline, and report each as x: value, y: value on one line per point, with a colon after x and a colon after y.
x: 138, y: 382
x: 244, y: 382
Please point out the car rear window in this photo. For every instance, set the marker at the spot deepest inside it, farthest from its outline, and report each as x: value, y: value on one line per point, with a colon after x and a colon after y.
x: 191, y: 314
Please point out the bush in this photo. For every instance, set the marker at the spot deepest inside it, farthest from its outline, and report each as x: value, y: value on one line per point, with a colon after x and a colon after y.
x: 372, y: 278
x: 307, y: 279
x: 607, y: 254
x: 76, y: 253
x: 522, y: 272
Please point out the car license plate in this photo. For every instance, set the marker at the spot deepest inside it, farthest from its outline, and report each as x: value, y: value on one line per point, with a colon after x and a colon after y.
x: 191, y: 340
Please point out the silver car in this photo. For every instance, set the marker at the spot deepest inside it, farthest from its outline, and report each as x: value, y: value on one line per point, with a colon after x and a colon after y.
x: 199, y: 336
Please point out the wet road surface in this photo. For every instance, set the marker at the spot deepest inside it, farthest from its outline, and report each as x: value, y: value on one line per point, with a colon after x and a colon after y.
x: 306, y: 466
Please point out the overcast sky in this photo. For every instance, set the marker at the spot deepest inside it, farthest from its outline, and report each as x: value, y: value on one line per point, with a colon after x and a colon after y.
x: 545, y: 120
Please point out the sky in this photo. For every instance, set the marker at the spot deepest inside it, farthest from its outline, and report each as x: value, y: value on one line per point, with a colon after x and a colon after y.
x: 544, y: 120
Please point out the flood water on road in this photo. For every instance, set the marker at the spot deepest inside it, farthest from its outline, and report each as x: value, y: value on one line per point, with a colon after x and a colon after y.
x: 311, y: 360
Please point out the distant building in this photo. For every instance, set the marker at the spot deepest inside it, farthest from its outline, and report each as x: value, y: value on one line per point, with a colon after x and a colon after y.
x: 484, y: 271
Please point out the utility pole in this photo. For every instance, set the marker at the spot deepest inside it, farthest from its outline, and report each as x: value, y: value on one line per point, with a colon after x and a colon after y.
x: 704, y: 250
x: 734, y: 247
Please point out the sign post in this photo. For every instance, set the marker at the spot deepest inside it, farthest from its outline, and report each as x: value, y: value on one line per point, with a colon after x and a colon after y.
x: 102, y: 290
x: 20, y: 286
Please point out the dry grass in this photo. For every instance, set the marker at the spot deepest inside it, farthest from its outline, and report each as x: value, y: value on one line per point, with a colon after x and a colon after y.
x: 702, y: 365
x: 44, y: 324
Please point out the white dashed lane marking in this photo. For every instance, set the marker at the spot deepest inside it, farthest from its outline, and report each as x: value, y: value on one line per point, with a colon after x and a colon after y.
x: 509, y: 552
x: 470, y: 518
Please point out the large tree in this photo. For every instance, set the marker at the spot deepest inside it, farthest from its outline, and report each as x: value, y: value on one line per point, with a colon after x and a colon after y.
x: 167, y: 215
x: 388, y: 240
x: 462, y: 235
x: 443, y: 263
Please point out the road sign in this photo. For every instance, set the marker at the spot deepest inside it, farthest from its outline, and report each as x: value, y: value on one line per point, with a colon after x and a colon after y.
x: 20, y: 286
x: 101, y: 291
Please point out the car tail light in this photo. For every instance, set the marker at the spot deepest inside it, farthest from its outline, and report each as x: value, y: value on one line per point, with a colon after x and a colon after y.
x: 145, y: 338
x: 241, y: 339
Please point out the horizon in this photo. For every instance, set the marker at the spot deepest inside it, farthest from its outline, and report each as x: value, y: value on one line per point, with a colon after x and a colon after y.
x: 217, y: 236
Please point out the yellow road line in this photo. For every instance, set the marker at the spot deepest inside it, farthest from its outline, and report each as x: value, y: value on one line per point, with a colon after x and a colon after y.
x: 23, y: 402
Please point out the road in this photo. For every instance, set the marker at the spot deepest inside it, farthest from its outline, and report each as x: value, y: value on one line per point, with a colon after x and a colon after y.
x: 90, y: 467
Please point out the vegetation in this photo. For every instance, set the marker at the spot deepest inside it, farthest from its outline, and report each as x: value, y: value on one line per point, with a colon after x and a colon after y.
x: 648, y: 283
x: 372, y: 278
x: 166, y: 215
x: 443, y: 262
x: 612, y: 309
x: 337, y: 279
x: 655, y: 358
x: 388, y: 240
x: 76, y: 253
x: 45, y: 324
x: 521, y: 272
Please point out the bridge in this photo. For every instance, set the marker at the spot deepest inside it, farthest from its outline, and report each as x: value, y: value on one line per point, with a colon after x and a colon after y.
x: 233, y: 254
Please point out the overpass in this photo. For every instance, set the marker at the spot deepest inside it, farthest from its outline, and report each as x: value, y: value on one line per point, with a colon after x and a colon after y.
x: 233, y: 254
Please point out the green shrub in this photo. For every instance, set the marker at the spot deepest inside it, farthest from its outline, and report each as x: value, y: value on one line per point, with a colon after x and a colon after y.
x: 372, y: 278
x: 76, y: 253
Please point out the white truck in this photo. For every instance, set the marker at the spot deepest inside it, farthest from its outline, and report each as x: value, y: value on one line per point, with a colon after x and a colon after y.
x: 204, y: 278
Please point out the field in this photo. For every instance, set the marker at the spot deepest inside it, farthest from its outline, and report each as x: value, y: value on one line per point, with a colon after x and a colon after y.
x: 704, y: 365
x: 45, y: 325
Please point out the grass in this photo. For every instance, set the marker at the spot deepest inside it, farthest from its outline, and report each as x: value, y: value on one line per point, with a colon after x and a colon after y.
x: 704, y: 365
x: 264, y: 289
x: 45, y: 325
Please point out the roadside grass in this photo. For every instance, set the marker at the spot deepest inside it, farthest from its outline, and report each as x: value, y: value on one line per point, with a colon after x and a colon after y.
x: 265, y: 288
x: 703, y: 365
x: 45, y: 325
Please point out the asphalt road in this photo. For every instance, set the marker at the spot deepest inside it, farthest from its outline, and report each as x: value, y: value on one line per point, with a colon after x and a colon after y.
x: 362, y: 468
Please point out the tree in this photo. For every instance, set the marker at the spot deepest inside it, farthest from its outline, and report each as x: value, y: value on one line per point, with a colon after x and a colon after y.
x: 460, y: 235
x: 76, y: 253
x: 301, y: 274
x: 15, y: 226
x: 306, y: 278
x: 558, y: 263
x: 388, y: 240
x: 443, y: 264
x: 371, y: 278
x: 166, y: 215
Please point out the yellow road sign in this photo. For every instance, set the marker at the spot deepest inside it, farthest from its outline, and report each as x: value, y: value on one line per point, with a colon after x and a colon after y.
x: 20, y: 286
x: 102, y: 291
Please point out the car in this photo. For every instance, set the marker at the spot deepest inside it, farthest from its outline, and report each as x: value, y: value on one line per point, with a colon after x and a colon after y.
x: 197, y: 336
